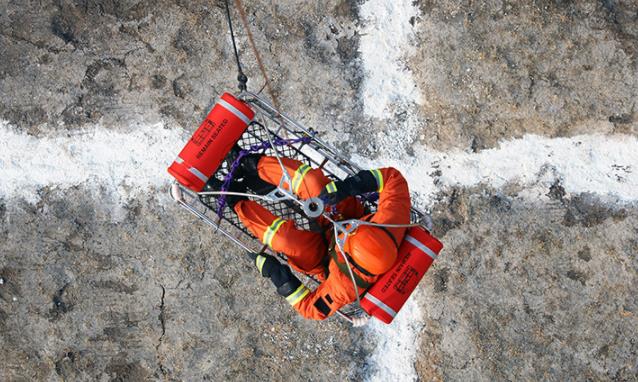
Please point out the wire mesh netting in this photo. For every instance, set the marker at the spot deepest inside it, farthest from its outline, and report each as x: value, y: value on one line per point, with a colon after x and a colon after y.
x: 257, y: 133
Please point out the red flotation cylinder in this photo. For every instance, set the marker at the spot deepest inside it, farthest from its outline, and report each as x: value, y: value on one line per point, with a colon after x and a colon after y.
x: 211, y: 142
x: 387, y: 296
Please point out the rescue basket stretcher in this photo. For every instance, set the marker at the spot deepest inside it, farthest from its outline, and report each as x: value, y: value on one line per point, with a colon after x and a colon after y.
x: 249, y: 121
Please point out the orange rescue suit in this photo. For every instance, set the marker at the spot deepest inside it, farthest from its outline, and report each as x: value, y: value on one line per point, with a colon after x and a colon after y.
x: 307, y: 251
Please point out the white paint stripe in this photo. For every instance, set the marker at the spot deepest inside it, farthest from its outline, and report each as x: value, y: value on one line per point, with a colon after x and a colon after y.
x: 384, y: 43
x: 598, y: 164
x: 124, y: 163
x: 388, y: 86
x: 412, y: 240
x: 179, y: 160
x: 235, y: 111
x: 380, y: 304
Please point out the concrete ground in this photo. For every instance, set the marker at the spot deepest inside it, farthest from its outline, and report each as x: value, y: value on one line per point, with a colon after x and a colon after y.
x: 98, y: 286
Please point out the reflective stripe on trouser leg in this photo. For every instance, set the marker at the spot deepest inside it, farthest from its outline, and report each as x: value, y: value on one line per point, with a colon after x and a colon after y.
x: 260, y: 262
x: 298, y: 295
x: 379, y: 177
x: 299, y: 175
x: 271, y: 231
x: 331, y: 187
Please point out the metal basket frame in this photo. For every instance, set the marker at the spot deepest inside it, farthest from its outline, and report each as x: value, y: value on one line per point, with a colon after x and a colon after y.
x: 316, y: 153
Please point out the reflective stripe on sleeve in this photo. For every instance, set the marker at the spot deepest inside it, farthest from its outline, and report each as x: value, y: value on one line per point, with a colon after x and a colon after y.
x: 299, y: 175
x: 379, y: 178
x: 331, y: 187
x: 260, y: 262
x: 298, y: 295
x: 271, y: 231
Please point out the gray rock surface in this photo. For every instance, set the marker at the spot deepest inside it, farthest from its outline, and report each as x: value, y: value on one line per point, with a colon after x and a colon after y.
x: 498, y: 69
x: 117, y: 63
x: 153, y: 296
x: 531, y: 292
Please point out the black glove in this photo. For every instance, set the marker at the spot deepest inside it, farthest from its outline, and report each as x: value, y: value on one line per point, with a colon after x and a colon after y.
x: 286, y: 283
x: 266, y: 264
x: 358, y: 184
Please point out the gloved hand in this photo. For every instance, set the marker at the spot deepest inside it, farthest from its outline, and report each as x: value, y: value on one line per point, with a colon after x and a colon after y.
x: 286, y: 283
x: 265, y: 263
x: 268, y: 266
x: 358, y: 184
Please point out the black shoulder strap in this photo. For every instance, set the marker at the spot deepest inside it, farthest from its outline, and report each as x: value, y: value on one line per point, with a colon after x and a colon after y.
x: 361, y: 283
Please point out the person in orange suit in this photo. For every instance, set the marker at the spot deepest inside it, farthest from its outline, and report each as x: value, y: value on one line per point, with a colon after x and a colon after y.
x: 371, y: 250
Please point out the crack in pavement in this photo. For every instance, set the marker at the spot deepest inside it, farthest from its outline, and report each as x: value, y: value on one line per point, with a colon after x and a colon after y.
x: 36, y: 44
x: 162, y: 319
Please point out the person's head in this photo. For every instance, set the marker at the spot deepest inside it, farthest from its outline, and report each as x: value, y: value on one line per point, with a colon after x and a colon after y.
x: 372, y: 249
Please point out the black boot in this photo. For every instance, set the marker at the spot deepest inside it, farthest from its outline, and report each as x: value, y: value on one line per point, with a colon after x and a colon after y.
x: 258, y: 185
x: 232, y: 200
x: 247, y: 171
x: 249, y: 163
x: 215, y: 184
x: 233, y: 154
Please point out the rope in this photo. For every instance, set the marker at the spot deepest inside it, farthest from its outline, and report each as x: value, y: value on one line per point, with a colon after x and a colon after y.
x: 244, y: 21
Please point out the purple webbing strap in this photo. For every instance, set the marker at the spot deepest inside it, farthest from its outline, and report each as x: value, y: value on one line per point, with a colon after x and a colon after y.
x: 252, y: 149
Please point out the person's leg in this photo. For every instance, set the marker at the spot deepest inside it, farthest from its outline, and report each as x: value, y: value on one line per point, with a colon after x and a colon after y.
x: 305, y: 250
x: 246, y: 170
x: 307, y: 182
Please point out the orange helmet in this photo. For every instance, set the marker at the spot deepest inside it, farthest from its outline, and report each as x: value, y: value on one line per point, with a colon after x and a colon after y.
x: 371, y: 249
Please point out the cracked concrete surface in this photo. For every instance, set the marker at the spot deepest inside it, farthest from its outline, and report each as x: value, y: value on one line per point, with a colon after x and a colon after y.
x: 503, y: 69
x: 532, y: 292
x: 108, y: 300
x: 101, y: 289
x: 162, y: 321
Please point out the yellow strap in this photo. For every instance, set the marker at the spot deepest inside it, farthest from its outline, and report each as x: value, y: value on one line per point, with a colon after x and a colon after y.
x: 271, y: 231
x: 299, y: 175
x: 379, y: 177
x: 298, y: 295
x: 259, y: 261
x: 331, y: 187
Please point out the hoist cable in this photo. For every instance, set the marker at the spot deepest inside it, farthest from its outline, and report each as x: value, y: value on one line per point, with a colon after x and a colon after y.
x: 241, y: 77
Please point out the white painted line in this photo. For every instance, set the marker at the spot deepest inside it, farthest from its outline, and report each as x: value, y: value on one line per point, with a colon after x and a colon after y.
x: 125, y: 162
